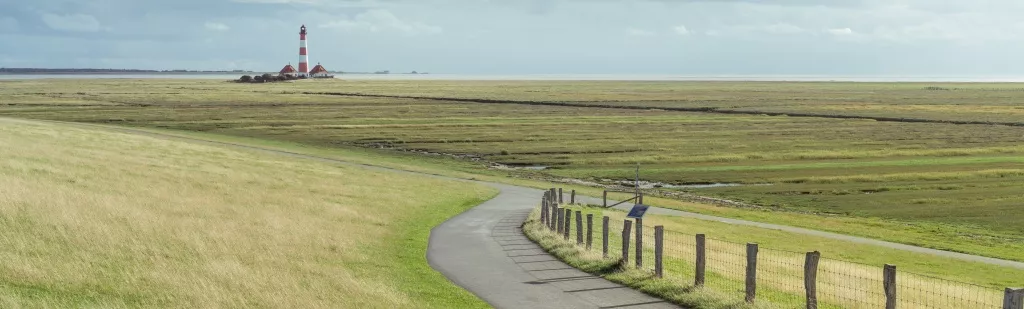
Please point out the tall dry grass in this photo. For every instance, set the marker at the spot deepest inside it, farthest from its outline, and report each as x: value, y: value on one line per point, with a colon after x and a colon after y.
x: 91, y: 218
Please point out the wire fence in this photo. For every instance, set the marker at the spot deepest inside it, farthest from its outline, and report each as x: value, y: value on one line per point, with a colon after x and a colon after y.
x: 746, y: 272
x: 921, y: 291
x: 852, y: 285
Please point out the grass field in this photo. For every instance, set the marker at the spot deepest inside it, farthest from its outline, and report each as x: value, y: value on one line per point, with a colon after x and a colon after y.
x: 849, y: 275
x: 93, y: 218
x: 940, y: 185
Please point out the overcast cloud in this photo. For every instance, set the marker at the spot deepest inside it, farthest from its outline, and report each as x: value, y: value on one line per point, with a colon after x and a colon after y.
x: 912, y: 37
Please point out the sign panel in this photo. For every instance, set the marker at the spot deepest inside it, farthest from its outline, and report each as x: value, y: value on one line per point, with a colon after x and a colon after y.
x: 638, y: 211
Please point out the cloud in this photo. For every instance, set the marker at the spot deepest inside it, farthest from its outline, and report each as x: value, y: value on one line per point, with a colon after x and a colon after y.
x: 378, y: 20
x: 278, y: 1
x: 758, y: 30
x: 640, y: 32
x: 927, y: 31
x: 72, y: 22
x: 8, y: 25
x: 216, y: 26
x: 840, y: 31
x: 783, y: 28
x: 321, y: 3
x: 681, y: 30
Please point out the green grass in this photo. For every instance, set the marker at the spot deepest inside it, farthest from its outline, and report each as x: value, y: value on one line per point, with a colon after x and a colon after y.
x: 92, y: 217
x: 930, y: 184
x: 958, y: 237
x: 846, y: 268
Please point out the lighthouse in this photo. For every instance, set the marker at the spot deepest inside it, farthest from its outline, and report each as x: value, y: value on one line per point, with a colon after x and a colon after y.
x: 303, y: 56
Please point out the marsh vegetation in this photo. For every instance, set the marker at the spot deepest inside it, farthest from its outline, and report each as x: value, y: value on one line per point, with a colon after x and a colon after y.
x: 932, y: 183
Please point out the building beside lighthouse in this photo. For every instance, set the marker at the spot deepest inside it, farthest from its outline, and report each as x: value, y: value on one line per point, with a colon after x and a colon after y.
x: 319, y: 72
x: 289, y: 70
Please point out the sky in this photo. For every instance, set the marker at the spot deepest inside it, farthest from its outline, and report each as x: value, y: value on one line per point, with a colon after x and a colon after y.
x: 689, y: 37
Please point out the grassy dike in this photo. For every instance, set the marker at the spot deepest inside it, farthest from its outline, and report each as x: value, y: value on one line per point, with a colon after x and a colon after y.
x: 102, y: 219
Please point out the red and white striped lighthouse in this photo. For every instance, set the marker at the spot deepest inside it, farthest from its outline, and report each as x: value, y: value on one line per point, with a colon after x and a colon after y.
x: 303, y: 56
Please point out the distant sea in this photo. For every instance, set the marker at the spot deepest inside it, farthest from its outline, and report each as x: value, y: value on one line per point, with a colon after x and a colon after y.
x: 554, y: 77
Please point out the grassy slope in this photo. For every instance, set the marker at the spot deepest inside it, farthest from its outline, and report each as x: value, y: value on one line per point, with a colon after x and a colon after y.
x: 93, y: 218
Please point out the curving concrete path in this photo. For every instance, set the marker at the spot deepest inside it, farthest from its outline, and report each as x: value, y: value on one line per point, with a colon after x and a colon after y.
x: 483, y: 249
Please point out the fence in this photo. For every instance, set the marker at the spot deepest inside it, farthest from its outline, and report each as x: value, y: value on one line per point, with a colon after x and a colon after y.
x: 755, y: 274
x: 638, y: 197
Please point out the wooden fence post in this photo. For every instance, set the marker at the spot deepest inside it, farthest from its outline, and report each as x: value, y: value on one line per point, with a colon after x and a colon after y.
x: 605, y: 198
x: 547, y: 210
x: 543, y: 208
x: 659, y: 249
x: 604, y: 236
x: 550, y: 212
x: 572, y: 197
x: 639, y: 243
x: 579, y: 228
x: 559, y: 219
x: 811, y: 278
x: 626, y: 225
x: 640, y: 198
x: 568, y: 223
x: 560, y: 200
x: 751, y: 273
x: 701, y: 261
x: 553, y: 216
x: 590, y: 230
x: 1013, y: 299
x: 889, y: 283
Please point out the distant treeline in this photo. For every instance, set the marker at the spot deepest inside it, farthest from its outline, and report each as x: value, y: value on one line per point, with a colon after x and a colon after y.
x: 54, y: 71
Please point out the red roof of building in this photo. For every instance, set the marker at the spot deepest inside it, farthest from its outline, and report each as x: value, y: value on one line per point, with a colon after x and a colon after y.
x: 288, y: 69
x: 318, y: 69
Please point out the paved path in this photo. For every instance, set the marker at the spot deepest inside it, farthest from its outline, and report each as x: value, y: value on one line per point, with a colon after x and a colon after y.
x: 478, y: 249
x: 484, y: 251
